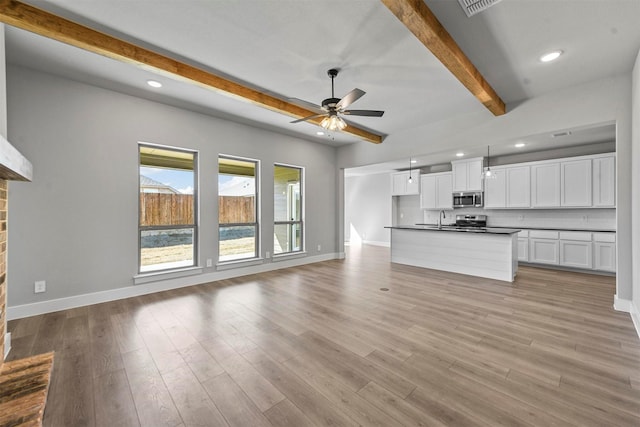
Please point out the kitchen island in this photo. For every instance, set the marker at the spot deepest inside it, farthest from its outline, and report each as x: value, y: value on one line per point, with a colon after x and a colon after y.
x: 482, y: 252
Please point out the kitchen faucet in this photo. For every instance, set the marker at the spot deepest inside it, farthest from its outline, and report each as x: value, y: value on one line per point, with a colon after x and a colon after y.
x: 441, y: 215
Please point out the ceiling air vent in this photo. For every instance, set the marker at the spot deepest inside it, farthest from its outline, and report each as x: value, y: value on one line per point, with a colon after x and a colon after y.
x: 471, y: 7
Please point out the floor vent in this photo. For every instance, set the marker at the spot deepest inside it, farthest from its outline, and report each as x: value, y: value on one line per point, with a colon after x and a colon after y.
x: 471, y: 7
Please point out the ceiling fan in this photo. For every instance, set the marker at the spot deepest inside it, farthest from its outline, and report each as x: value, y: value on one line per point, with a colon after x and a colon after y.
x: 334, y: 107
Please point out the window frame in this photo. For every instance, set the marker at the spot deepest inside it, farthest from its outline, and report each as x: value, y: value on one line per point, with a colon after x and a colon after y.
x: 194, y: 226
x: 257, y: 213
x: 301, y: 221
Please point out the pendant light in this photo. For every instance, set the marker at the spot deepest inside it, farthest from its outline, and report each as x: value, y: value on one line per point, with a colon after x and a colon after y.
x: 410, y: 178
x: 488, y: 174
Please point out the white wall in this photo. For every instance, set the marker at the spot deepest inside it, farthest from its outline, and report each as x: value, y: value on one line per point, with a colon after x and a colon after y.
x: 599, y: 102
x: 75, y: 225
x: 367, y: 208
x: 635, y: 195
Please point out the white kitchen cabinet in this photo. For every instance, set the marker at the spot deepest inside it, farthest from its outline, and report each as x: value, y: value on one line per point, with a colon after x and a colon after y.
x: 545, y: 185
x: 523, y: 245
x: 435, y: 191
x: 495, y: 189
x: 400, y: 185
x: 604, y: 182
x: 544, y: 247
x: 518, y: 190
x: 604, y: 248
x: 444, y: 187
x: 467, y: 174
x: 575, y: 249
x: 575, y: 183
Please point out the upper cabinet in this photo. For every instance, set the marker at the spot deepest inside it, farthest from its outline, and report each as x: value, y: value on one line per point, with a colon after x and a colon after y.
x: 518, y: 187
x: 467, y: 175
x: 545, y: 185
x: 604, y: 181
x: 495, y: 189
x: 579, y: 182
x: 400, y: 185
x: 435, y: 191
x: 509, y: 187
x: 575, y: 183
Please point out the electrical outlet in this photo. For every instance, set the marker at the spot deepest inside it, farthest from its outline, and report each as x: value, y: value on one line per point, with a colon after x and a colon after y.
x: 267, y: 254
x: 40, y: 286
x: 401, y: 215
x: 209, y: 262
x: 520, y: 217
x: 319, y: 248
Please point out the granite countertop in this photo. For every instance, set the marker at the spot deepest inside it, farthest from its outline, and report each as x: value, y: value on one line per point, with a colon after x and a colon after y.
x: 593, y: 230
x: 453, y: 228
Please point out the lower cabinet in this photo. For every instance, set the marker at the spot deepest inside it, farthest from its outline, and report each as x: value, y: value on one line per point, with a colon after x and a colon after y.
x: 544, y: 247
x: 544, y: 251
x: 523, y: 246
x: 604, y: 248
x: 575, y: 249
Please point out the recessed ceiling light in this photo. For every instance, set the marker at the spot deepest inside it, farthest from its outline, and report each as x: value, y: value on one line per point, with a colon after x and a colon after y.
x: 414, y: 161
x: 154, y: 83
x: 320, y: 133
x: 520, y: 145
x: 550, y: 56
x: 460, y: 154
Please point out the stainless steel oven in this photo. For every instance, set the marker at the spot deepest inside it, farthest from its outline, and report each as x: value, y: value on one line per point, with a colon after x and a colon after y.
x: 468, y: 199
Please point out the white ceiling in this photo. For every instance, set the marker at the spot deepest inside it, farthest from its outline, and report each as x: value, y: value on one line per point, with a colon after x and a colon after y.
x: 285, y: 47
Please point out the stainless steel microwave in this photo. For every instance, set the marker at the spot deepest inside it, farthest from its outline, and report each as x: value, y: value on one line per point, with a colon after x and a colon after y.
x: 468, y: 200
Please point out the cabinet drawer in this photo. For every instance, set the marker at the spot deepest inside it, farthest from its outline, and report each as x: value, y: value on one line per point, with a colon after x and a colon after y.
x: 604, y: 237
x: 543, y: 234
x: 523, y: 234
x: 584, y: 236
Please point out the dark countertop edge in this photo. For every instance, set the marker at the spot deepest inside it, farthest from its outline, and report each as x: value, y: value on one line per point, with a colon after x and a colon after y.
x: 541, y: 228
x: 564, y: 229
x: 488, y: 230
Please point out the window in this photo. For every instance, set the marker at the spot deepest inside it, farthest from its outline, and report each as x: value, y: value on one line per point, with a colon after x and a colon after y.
x: 287, y: 191
x: 167, y: 215
x: 237, y: 208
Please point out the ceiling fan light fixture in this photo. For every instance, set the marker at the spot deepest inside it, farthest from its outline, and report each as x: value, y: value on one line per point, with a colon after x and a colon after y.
x: 333, y: 123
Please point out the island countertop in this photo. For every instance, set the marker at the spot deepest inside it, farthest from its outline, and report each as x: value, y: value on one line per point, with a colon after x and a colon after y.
x: 453, y: 228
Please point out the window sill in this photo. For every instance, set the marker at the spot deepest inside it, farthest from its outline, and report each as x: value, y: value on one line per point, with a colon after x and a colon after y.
x: 228, y: 265
x: 165, y: 275
x: 291, y: 255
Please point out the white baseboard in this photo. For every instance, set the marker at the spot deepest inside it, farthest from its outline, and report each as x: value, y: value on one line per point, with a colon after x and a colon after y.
x: 375, y: 243
x: 628, y: 307
x: 7, y: 344
x: 33, y: 309
x: 621, y: 304
x: 635, y: 316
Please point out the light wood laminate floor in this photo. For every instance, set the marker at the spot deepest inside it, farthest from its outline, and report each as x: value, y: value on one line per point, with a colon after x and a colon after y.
x: 323, y: 345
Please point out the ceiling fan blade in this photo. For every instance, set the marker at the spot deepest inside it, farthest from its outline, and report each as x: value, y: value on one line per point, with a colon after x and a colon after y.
x: 350, y: 98
x: 308, y: 118
x: 368, y: 113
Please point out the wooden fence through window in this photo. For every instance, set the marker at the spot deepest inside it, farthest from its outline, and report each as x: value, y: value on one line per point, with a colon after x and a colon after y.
x: 177, y: 209
x: 236, y: 209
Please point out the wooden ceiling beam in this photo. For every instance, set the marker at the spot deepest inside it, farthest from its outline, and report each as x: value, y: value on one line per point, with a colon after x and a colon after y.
x: 43, y: 23
x: 419, y: 19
